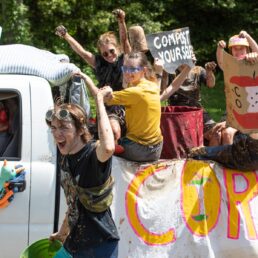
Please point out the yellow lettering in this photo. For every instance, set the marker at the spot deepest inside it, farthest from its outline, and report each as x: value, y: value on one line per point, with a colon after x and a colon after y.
x: 201, y: 197
x: 148, y: 237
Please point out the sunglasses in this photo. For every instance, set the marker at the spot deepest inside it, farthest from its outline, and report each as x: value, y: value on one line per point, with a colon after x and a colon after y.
x: 111, y: 51
x: 128, y: 69
x: 60, y: 114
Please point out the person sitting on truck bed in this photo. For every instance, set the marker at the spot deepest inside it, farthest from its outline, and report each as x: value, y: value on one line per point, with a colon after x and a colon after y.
x: 88, y: 229
x: 143, y: 141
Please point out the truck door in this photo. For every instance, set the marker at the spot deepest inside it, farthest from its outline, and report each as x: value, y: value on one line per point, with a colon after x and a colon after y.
x: 14, y: 214
x: 43, y: 165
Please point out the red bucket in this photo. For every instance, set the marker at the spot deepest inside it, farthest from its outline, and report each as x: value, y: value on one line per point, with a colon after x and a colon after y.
x: 182, y: 129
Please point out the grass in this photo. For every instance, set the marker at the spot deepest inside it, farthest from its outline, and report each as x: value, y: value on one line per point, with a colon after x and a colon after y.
x: 213, y: 99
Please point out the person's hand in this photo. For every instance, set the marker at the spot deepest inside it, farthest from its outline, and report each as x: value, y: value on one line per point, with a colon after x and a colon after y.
x: 61, y: 31
x: 19, y: 169
x: 252, y: 58
x: 215, y: 133
x: 105, y: 93
x: 210, y: 66
x: 222, y: 44
x: 243, y: 34
x: 119, y: 14
x: 80, y: 74
x: 158, y: 66
x: 218, y: 127
x: 58, y: 236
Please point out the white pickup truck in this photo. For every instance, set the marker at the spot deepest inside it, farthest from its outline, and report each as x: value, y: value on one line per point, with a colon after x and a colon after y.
x: 179, y: 208
x: 33, y: 213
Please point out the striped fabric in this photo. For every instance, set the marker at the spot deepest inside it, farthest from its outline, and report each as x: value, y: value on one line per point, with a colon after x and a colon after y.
x: 24, y: 59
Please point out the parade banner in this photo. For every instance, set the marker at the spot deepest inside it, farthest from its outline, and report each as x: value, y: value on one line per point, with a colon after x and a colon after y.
x: 185, y: 208
x: 173, y: 47
x: 241, y: 89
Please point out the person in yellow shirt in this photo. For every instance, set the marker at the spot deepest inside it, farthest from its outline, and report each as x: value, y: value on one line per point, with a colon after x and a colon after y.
x: 143, y: 141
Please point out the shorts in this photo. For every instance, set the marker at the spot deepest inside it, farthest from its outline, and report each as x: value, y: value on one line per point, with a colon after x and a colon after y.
x: 108, y: 249
x: 138, y: 152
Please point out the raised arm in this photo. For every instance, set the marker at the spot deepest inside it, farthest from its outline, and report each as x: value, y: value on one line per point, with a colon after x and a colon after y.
x: 251, y: 41
x: 175, y: 84
x: 87, y: 56
x: 124, y: 41
x: 158, y: 67
x: 106, y: 144
x: 220, y: 47
x: 210, y: 78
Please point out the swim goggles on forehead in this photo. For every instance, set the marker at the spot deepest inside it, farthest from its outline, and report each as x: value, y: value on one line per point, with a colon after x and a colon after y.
x: 60, y: 114
x: 128, y: 69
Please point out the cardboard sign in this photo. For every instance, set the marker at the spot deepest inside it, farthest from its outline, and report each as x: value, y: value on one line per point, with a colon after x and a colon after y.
x: 241, y: 89
x: 173, y: 47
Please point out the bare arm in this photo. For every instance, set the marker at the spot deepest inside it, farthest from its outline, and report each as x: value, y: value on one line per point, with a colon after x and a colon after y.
x: 174, y: 86
x: 158, y: 69
x: 124, y: 41
x: 164, y: 81
x: 106, y: 144
x: 87, y: 56
x: 63, y: 231
x: 251, y: 41
x: 210, y: 78
x: 219, y: 53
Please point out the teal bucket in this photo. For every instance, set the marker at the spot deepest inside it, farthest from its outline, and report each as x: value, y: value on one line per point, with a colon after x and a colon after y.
x: 43, y: 248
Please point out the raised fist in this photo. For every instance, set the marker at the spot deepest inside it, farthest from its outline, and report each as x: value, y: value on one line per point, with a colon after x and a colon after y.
x: 61, y: 31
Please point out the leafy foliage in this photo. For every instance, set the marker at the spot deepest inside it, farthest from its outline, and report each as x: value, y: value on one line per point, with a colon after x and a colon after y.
x: 34, y: 22
x: 15, y: 22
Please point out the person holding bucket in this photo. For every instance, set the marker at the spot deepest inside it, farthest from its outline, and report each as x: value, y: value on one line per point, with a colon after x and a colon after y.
x: 88, y: 229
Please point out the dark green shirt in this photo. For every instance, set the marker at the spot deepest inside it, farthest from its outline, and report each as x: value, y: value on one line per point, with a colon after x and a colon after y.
x: 87, y: 229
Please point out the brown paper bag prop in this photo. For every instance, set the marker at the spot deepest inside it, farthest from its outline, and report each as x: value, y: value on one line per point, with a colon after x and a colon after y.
x: 137, y: 39
x: 241, y: 89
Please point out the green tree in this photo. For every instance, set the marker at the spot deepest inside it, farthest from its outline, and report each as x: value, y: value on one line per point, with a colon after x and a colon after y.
x: 14, y: 21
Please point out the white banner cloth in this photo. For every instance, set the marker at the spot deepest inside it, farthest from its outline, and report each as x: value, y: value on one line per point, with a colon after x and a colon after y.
x: 185, y: 208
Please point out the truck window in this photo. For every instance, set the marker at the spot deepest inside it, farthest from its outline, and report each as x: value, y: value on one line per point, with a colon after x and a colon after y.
x: 10, y: 126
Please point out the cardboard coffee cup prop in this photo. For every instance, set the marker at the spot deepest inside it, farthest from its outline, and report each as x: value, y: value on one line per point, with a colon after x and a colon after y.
x: 241, y: 89
x: 173, y: 47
